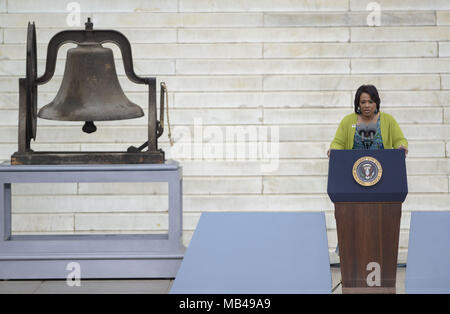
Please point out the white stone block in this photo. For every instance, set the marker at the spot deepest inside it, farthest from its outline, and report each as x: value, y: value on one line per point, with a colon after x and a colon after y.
x: 146, y: 20
x: 174, y: 83
x: 445, y: 81
x: 186, y: 237
x: 306, y: 99
x: 327, y: 83
x: 36, y: 223
x: 6, y: 150
x: 9, y: 101
x: 131, y: 222
x: 426, y: 132
x: 426, y: 149
x: 218, y: 100
x: 447, y: 115
x: 263, y: 67
x: 255, y: 35
x: 44, y: 189
x: 414, y: 98
x: 257, y: 203
x: 8, y: 134
x: 197, y: 51
x: 426, y: 202
x: 416, y: 115
x: 381, y: 66
x: 9, y: 117
x: 332, y: 239
x: 303, y: 167
x: 448, y: 149
x: 65, y: 134
x: 304, y: 116
x: 427, y: 184
x: 18, y: 67
x: 202, y: 185
x: 405, y: 220
x: 443, y: 18
x: 379, y: 34
x: 141, y: 35
x: 179, y: 117
x: 350, y: 50
x: 307, y: 132
x: 149, y: 68
x: 89, y: 204
x: 303, y: 149
x: 295, y: 185
x: 53, y: 20
x: 149, y: 51
x: 216, y: 116
x: 190, y: 221
x: 346, y: 19
x: 444, y: 49
x: 207, y: 84
x: 93, y: 6
x: 403, y: 239
x: 220, y: 168
x: 358, y: 5
x: 9, y: 85
x: 330, y: 220
x: 435, y: 166
x: 2, y: 5
x: 222, y: 185
x: 123, y: 188
x: 261, y: 5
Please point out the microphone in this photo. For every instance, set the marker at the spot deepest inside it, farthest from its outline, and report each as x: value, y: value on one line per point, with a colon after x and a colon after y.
x: 371, y: 130
x: 367, y: 132
x: 361, y: 129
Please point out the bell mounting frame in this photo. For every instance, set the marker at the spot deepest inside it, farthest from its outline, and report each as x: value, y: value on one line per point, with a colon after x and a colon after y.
x: 28, y: 91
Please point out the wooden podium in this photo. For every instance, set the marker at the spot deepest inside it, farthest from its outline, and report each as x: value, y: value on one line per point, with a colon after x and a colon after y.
x: 368, y: 188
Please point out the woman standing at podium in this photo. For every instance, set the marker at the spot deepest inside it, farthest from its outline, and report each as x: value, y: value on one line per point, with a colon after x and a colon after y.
x: 367, y: 110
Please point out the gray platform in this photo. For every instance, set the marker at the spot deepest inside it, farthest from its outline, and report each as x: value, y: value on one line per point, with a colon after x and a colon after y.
x: 256, y: 253
x: 428, y: 269
x: 99, y: 256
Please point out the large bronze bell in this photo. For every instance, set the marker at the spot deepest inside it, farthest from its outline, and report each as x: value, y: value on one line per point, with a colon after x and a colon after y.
x: 90, y: 90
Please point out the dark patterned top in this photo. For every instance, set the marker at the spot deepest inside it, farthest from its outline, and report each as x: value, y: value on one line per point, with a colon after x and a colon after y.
x: 377, y: 140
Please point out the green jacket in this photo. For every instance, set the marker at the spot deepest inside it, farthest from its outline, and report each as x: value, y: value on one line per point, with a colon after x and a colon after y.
x: 391, y: 133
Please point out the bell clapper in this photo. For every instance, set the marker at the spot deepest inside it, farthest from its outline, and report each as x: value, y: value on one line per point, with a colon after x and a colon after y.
x: 89, y: 127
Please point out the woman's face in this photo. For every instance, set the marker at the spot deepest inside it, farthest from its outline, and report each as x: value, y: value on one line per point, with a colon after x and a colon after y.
x: 367, y: 105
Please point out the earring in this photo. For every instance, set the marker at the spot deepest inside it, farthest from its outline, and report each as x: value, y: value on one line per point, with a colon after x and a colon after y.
x: 358, y: 111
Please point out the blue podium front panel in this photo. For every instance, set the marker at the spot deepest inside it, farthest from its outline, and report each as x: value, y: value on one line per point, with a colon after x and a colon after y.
x: 268, y: 253
x: 392, y: 186
x: 428, y: 268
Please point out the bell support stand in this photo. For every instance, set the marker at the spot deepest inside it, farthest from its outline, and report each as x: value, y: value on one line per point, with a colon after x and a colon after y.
x: 28, y: 103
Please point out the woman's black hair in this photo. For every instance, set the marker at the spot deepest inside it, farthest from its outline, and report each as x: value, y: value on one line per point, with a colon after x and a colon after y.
x: 373, y: 93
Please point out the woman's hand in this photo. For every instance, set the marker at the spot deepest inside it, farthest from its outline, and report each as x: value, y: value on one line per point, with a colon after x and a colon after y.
x: 328, y: 152
x: 404, y: 148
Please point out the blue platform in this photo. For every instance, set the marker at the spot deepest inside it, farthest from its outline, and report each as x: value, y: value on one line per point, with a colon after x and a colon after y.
x: 267, y: 253
x: 428, y: 268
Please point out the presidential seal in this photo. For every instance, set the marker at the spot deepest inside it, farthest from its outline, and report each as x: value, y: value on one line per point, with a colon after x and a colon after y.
x: 367, y: 171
